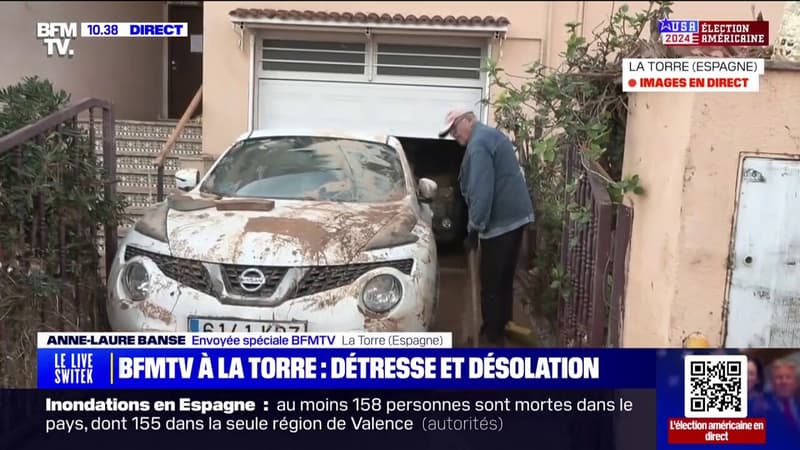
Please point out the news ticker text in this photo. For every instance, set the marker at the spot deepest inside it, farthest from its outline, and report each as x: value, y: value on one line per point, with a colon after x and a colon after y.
x: 286, y: 414
x: 364, y: 412
x: 306, y: 418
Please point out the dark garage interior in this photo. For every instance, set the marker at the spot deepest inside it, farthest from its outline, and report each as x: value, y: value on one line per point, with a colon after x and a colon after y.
x: 440, y: 160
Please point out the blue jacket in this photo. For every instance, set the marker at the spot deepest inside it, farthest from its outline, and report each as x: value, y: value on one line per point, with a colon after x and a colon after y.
x: 493, y: 185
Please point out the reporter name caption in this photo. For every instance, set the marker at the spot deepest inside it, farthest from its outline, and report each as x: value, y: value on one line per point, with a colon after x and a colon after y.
x: 214, y: 366
x: 357, y: 413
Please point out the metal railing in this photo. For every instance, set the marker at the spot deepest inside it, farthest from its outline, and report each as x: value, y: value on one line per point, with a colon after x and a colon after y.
x: 170, y: 144
x: 44, y: 226
x: 593, y: 253
x: 16, y: 140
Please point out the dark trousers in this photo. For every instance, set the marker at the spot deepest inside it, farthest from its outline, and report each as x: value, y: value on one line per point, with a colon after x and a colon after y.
x: 498, y: 264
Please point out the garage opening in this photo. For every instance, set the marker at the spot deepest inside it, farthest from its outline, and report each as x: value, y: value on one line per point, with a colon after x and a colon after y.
x: 440, y: 160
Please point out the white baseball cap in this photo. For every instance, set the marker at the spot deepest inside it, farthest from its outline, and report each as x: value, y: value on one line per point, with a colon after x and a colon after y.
x: 453, y: 115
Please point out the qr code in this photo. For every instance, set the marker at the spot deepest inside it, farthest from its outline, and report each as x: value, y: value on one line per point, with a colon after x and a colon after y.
x: 715, y: 386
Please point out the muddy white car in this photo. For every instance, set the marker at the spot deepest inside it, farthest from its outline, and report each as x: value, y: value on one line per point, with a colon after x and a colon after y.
x: 287, y: 232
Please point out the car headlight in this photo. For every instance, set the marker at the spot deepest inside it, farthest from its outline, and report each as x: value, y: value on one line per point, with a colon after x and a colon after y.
x: 382, y: 293
x: 136, y: 280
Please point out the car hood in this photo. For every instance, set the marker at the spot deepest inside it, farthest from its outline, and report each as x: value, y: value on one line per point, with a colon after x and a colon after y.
x: 286, y: 233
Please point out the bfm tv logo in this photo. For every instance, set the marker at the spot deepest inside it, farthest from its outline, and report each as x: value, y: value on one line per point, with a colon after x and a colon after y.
x: 56, y: 36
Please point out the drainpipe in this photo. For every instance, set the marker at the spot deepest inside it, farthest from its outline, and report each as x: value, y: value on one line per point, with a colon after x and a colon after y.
x: 547, y: 41
x: 487, y: 85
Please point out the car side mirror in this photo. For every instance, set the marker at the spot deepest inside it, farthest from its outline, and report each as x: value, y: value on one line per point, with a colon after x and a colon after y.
x: 426, y: 190
x: 187, y: 179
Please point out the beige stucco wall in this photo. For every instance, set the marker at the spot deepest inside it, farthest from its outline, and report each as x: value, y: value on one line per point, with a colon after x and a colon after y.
x: 536, y: 30
x: 687, y: 149
x: 681, y: 227
x: 125, y: 71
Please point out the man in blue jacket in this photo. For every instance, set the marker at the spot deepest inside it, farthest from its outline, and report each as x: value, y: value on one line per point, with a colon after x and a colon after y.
x: 499, y: 208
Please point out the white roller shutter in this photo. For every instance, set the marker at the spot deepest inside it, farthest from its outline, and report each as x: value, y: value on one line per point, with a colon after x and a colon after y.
x: 404, y: 89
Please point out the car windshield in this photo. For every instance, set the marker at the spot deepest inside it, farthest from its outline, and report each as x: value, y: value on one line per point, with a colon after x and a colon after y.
x: 309, y: 168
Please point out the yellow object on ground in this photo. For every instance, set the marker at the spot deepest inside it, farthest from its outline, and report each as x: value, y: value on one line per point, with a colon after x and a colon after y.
x: 696, y: 340
x: 521, y: 334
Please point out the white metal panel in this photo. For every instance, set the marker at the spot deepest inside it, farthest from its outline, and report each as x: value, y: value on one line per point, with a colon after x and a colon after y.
x: 764, y: 297
x: 401, y: 110
x: 430, y: 64
x: 448, y: 48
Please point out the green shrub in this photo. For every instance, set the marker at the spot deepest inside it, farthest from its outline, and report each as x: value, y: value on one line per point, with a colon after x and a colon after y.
x: 52, y: 205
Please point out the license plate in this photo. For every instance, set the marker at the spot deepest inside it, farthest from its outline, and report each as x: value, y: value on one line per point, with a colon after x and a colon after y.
x: 204, y: 325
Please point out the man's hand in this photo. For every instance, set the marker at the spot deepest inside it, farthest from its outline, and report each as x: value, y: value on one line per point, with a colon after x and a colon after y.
x: 471, y: 242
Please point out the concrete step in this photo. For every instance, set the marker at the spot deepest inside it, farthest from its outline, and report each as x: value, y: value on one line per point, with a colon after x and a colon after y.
x: 160, y: 139
x: 129, y: 189
x: 147, y: 139
x: 133, y: 129
x: 151, y: 147
x: 150, y: 179
x: 138, y: 144
x: 169, y: 169
x: 141, y: 199
x: 143, y: 161
x: 144, y: 180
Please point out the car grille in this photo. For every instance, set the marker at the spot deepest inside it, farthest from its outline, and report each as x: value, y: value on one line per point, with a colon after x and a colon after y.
x: 324, y: 278
x: 317, y: 279
x: 273, y: 276
x: 186, y: 271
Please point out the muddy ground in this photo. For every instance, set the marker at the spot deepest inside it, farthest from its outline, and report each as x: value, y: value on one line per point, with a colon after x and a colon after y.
x: 455, y: 306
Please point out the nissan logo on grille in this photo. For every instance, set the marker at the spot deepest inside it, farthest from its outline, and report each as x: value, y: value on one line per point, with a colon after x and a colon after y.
x: 251, y: 280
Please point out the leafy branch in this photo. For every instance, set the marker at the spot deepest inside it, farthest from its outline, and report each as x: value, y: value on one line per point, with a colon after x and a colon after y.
x: 576, y: 110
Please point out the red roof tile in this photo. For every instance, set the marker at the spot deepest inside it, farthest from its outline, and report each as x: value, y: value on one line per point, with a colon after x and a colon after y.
x: 363, y: 17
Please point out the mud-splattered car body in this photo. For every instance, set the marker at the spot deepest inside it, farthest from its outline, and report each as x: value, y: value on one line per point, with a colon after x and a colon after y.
x: 320, y: 232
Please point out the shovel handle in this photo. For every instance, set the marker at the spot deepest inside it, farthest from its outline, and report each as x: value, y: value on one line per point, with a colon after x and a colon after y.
x: 475, y: 296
